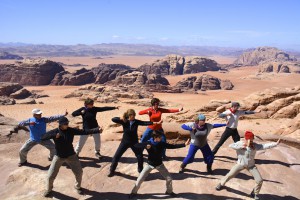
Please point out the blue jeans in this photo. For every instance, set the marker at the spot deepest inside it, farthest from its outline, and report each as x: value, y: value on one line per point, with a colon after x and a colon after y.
x: 206, y: 151
x: 148, y: 134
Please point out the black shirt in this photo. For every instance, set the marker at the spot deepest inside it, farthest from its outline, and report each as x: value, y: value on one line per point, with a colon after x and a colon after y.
x: 156, y: 150
x: 89, y: 115
x: 130, y: 131
x: 64, y: 144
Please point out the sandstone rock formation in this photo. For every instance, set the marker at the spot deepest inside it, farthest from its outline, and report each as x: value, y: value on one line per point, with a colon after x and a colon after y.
x: 263, y: 54
x: 108, y: 72
x: 30, y: 72
x: 279, y: 67
x: 79, y: 77
x: 108, y: 94
x: 8, y: 56
x: 178, y: 65
x: 203, y: 82
x: 10, y: 92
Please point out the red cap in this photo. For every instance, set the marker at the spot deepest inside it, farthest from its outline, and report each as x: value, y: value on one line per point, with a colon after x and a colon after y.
x: 249, y: 135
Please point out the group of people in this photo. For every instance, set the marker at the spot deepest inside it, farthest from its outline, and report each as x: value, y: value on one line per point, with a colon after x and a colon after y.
x: 153, y: 140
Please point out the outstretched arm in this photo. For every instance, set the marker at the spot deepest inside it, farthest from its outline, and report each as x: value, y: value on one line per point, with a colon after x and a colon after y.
x: 102, y: 109
x: 117, y: 120
x: 237, y: 146
x: 218, y: 125
x: 78, y: 112
x: 53, y: 118
x: 188, y: 126
x: 225, y: 114
x: 25, y: 122
x: 266, y: 146
x: 145, y: 123
x: 49, y: 135
x: 85, y: 132
x: 144, y: 112
x: 163, y: 110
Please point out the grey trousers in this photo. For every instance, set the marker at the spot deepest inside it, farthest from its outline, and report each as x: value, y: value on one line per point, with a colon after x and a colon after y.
x: 57, y: 162
x: 253, y: 170
x: 147, y: 169
x: 30, y: 143
x: 82, y: 140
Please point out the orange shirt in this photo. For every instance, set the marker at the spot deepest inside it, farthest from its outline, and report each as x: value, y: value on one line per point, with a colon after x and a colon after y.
x: 155, y: 116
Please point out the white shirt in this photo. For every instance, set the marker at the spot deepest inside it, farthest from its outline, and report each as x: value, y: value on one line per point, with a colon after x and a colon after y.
x: 233, y: 119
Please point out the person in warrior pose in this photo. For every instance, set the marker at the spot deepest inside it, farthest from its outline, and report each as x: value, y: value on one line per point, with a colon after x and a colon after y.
x: 155, y: 113
x: 232, y: 116
x: 130, y: 138
x: 155, y: 146
x: 37, y: 127
x: 246, y: 151
x: 88, y: 114
x: 199, y: 131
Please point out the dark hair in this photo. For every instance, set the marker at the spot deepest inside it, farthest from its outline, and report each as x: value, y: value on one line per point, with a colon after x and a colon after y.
x: 156, y: 134
x: 127, y: 113
x: 88, y: 101
x: 154, y: 100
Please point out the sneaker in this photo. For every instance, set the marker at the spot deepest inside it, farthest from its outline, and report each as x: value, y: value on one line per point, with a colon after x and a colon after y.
x: 98, y: 155
x: 47, y: 193
x: 111, y: 174
x: 181, y: 168
x: 79, y: 190
x: 254, y: 196
x: 132, y: 195
x: 22, y: 164
x: 219, y: 187
x: 172, y: 194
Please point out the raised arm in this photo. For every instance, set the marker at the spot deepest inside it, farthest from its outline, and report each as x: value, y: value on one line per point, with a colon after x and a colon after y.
x: 50, y: 134
x: 102, y: 109
x: 53, y: 118
x: 246, y: 112
x: 78, y: 112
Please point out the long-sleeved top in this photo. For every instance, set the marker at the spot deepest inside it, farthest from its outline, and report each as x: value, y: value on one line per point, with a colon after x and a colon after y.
x: 233, y: 119
x: 199, y: 134
x: 246, y: 155
x: 89, y: 116
x: 130, y: 129
x: 155, y: 116
x: 64, y: 143
x: 156, y: 150
x: 37, y: 127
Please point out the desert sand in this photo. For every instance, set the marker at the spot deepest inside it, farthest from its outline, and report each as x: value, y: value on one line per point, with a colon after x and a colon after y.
x: 280, y: 167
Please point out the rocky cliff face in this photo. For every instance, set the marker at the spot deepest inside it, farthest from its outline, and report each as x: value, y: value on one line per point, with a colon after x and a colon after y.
x: 263, y: 54
x: 178, y: 65
x: 30, y: 72
x: 279, y: 67
x: 203, y: 82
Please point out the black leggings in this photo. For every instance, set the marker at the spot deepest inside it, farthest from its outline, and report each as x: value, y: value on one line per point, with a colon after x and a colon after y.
x: 121, y: 150
x: 227, y: 133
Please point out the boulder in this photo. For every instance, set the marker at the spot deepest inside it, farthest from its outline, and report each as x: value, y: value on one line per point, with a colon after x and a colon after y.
x: 79, y: 77
x: 30, y: 72
x: 279, y: 67
x: 21, y: 94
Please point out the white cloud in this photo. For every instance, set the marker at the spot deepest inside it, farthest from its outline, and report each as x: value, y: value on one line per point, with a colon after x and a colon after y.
x: 115, y: 36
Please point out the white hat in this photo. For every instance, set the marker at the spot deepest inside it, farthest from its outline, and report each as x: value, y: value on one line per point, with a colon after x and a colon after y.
x: 37, y: 111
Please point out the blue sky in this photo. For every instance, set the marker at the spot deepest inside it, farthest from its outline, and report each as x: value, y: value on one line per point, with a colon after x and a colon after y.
x: 231, y: 23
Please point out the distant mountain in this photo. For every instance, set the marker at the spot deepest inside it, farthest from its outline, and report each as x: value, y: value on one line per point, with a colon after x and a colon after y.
x: 115, y: 49
x: 6, y: 56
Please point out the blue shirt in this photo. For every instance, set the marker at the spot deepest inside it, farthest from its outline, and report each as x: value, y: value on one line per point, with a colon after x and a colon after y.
x: 39, y: 127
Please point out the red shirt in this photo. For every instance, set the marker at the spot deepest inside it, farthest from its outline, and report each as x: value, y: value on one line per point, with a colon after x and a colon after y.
x: 155, y: 116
